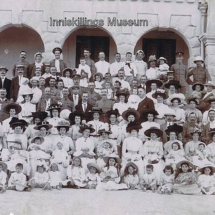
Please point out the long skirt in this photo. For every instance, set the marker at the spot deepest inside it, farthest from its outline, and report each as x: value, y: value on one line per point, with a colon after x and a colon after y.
x: 191, y: 189
x: 111, y: 185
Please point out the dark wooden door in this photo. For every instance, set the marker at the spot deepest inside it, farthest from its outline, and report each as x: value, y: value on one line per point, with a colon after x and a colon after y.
x: 94, y: 44
x: 161, y: 48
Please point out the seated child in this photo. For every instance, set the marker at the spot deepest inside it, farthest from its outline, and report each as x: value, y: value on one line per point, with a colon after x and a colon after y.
x: 109, y: 90
x: 206, y: 180
x: 76, y: 175
x: 41, y: 178
x: 148, y: 181
x: 107, y: 148
x: 130, y: 177
x: 3, y: 177
x: 166, y: 181
x: 55, y: 177
x: 175, y: 155
x: 93, y: 175
x: 17, y: 179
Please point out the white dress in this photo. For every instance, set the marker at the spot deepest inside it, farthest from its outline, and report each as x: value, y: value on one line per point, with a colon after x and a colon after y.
x: 93, y: 179
x: 207, y: 181
x: 55, y: 178
x: 3, y: 178
x: 166, y: 182
x: 41, y: 178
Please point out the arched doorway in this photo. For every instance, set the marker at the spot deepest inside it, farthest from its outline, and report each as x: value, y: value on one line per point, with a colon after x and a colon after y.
x: 163, y: 43
x: 94, y: 39
x: 15, y: 39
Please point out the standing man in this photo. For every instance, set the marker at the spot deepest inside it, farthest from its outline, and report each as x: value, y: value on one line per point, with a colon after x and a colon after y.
x: 140, y: 64
x: 57, y: 62
x: 180, y: 72
x: 4, y: 81
x: 92, y: 95
x: 21, y: 61
x: 90, y: 62
x: 144, y: 104
x: 116, y: 66
x: 102, y: 66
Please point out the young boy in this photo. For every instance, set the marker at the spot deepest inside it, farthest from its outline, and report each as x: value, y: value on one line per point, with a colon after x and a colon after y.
x: 84, y: 72
x: 148, y: 181
x: 47, y: 73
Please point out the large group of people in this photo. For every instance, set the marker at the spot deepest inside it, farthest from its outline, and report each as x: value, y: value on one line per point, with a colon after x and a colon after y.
x: 120, y: 126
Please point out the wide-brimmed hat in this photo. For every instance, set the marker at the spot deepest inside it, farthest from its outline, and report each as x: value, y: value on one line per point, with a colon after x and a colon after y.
x: 76, y: 113
x: 162, y: 58
x: 43, y: 124
x: 62, y: 124
x: 175, y: 98
x: 175, y: 83
x: 15, y: 106
x: 209, y: 83
x: 158, y: 82
x: 174, y: 128
x: 140, y: 51
x: 196, y: 131
x: 104, y: 131
x: 40, y: 115
x: 57, y: 49
x: 169, y: 112
x: 122, y: 92
x: 152, y: 58
x: 198, y: 58
x: 112, y: 112
x: 4, y: 166
x: 89, y: 165
x: 77, y: 76
x: 68, y: 70
x: 27, y: 92
x: 160, y: 93
x: 4, y: 67
x: 201, y: 169
x: 17, y: 122
x: 130, y: 111
x: 112, y: 156
x: 95, y: 110
x: 84, y: 127
x: 41, y: 139
x: 98, y: 74
x: 184, y: 161
x: 150, y: 111
x: 155, y: 130
x: 193, y: 99
x: 201, y: 85
x: 54, y: 106
x: 131, y: 164
x: 133, y: 126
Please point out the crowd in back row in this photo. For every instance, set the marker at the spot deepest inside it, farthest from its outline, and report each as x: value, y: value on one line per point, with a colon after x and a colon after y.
x: 108, y: 126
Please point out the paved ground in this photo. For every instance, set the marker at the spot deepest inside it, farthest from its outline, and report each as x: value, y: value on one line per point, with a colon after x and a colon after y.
x: 87, y: 202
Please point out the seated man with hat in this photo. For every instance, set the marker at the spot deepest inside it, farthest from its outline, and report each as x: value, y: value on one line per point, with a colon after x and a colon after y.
x: 57, y: 62
x: 4, y: 81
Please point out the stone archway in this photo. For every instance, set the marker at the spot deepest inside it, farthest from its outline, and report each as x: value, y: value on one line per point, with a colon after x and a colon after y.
x: 69, y: 45
x: 16, y: 39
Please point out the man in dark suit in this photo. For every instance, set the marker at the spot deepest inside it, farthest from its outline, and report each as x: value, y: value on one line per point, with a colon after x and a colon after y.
x: 57, y: 62
x: 14, y: 89
x: 3, y: 102
x: 5, y: 82
x: 66, y: 102
x: 144, y: 104
x: 74, y: 95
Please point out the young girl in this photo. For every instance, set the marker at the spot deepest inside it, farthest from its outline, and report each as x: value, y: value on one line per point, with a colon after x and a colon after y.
x: 3, y: 177
x: 92, y: 176
x: 55, y: 177
x: 41, y: 178
x: 206, y: 179
x: 175, y: 155
x: 130, y: 177
x: 166, y: 182
x: 98, y: 80
x: 185, y: 181
x: 148, y: 181
x: 76, y: 174
x: 67, y: 77
x: 110, y: 175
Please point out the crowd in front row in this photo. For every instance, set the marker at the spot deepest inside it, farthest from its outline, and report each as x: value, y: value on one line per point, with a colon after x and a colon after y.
x: 125, y: 129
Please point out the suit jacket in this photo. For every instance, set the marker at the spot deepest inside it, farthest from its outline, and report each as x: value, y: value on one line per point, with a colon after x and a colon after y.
x: 41, y: 105
x: 62, y: 65
x: 89, y: 107
x: 205, y: 137
x: 105, y: 105
x: 79, y: 98
x: 67, y: 104
x: 143, y: 106
x: 31, y: 70
x: 14, y: 88
x: 3, y: 115
x: 6, y: 85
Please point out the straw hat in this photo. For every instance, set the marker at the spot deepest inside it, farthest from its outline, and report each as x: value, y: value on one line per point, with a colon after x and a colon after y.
x: 84, y: 127
x: 175, y: 83
x: 210, y: 84
x: 41, y: 139
x: 62, y: 124
x: 112, y: 112
x: 170, y: 112
x: 155, y: 130
x: 130, y: 111
x: 201, y: 85
x: 162, y: 58
x: 112, y: 156
x: 3, y: 67
x: 131, y: 164
x: 184, y: 161
x: 201, y: 170
x: 198, y: 58
x: 43, y: 124
x: 89, y: 165
x: 27, y: 92
x: 15, y: 106
x: 152, y: 58
x: 104, y: 131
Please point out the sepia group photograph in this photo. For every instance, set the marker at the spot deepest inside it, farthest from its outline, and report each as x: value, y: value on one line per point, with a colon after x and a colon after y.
x: 107, y: 107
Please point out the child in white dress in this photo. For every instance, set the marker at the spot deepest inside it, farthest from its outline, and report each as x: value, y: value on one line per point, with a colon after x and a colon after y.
x: 130, y: 177
x: 92, y: 177
x: 100, y: 160
x: 3, y: 177
x: 55, y: 177
x: 166, y: 181
x: 98, y: 80
x: 206, y: 180
x: 148, y: 181
x: 164, y: 67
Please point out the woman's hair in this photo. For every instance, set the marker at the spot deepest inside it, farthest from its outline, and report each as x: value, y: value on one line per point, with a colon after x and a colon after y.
x: 117, y: 165
x: 179, y: 170
x: 72, y: 122
x: 126, y: 170
x: 168, y: 167
x: 25, y: 96
x: 41, y: 166
x: 52, y: 114
x: 67, y: 128
x: 53, y: 165
x: 176, y: 143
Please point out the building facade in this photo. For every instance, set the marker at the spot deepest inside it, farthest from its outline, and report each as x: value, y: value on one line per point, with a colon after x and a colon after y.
x: 167, y: 26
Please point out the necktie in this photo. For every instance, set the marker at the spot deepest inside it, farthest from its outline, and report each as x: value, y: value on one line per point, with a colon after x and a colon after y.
x: 85, y: 107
